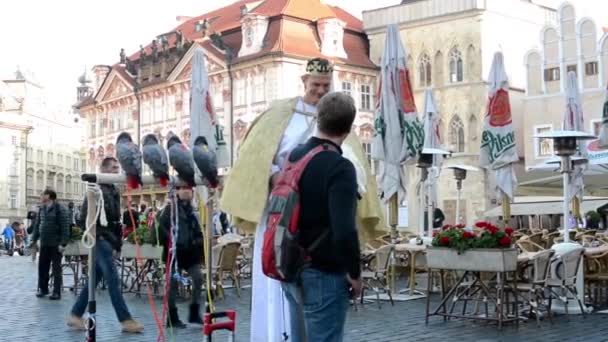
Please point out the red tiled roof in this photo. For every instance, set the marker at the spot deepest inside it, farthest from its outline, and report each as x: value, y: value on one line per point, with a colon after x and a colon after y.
x: 285, y: 35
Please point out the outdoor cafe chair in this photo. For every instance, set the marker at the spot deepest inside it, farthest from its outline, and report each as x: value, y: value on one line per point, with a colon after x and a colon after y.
x: 564, y: 279
x: 375, y: 276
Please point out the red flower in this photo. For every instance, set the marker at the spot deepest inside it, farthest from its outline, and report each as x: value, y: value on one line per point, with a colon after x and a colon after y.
x: 509, y: 230
x: 444, y: 241
x: 492, y: 229
x: 481, y: 224
x: 446, y: 227
x: 505, y: 241
x: 460, y: 226
x: 435, y: 234
x: 468, y: 235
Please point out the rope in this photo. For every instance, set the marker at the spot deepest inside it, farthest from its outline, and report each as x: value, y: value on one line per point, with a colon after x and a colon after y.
x: 159, y: 325
x: 88, y: 236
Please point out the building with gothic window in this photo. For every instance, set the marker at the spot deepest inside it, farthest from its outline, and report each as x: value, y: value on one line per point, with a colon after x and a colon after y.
x: 450, y: 46
x: 572, y: 43
x: 255, y: 52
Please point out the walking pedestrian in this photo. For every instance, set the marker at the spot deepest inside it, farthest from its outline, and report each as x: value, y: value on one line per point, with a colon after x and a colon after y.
x: 108, y: 245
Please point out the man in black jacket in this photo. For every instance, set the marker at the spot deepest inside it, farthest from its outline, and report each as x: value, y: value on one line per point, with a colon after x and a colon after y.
x: 189, y: 246
x: 53, y: 231
x: 328, y: 189
x: 108, y: 244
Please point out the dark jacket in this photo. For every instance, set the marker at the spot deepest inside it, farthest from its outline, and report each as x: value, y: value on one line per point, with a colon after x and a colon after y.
x: 52, y: 226
x: 189, y: 236
x: 127, y: 221
x: 328, y: 200
x: 113, y: 232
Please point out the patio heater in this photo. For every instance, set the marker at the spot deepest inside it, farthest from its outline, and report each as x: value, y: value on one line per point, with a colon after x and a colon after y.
x: 565, y: 145
x: 425, y: 162
x: 460, y: 174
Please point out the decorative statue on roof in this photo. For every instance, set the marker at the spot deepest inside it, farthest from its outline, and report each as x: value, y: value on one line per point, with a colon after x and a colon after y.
x: 123, y: 56
x: 154, y: 50
x: 179, y: 40
x: 165, y: 47
x: 142, y: 53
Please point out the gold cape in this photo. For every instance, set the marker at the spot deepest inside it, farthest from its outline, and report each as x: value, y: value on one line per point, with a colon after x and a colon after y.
x: 246, y: 188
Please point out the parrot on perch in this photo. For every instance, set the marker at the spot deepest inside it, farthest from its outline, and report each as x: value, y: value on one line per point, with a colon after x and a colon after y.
x: 129, y: 157
x: 155, y: 157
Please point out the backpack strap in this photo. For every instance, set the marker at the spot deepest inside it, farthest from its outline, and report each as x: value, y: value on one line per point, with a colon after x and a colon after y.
x: 299, y: 165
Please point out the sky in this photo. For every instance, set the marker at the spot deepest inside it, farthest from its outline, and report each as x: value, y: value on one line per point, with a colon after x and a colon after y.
x: 56, y: 40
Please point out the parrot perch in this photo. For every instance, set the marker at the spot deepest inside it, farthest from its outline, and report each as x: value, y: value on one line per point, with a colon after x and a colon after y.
x: 156, y: 158
x: 129, y: 157
x: 205, y: 160
x: 180, y: 158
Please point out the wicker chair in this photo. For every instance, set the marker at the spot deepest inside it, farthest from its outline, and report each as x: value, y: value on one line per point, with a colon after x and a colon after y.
x: 566, y: 268
x: 533, y: 291
x: 375, y: 276
x: 227, y: 265
x: 525, y: 245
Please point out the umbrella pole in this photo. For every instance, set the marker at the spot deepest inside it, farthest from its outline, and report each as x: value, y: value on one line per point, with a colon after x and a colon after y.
x: 576, y: 210
x: 209, y: 256
x: 92, y: 305
x: 566, y: 185
x: 429, y: 208
x: 506, y: 209
x: 393, y: 211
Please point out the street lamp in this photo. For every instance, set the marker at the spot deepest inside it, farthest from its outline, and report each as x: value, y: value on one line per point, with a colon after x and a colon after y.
x: 425, y: 162
x: 460, y: 174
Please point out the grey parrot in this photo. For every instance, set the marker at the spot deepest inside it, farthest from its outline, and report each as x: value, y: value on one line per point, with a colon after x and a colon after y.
x: 180, y: 158
x: 156, y: 159
x: 205, y: 160
x: 129, y: 157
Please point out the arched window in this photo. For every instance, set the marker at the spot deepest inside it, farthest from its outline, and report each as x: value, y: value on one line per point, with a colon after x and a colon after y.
x: 50, y: 181
x: 438, y: 66
x: 424, y: 71
x: 455, y: 65
x: 456, y: 134
x: 471, y: 58
x: 534, y: 77
x: 68, y: 184
x: 473, y: 129
x: 30, y: 182
x: 60, y: 185
x: 39, y: 181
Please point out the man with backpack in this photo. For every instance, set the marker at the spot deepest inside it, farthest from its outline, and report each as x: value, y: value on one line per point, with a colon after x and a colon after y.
x: 52, y: 228
x: 315, y: 199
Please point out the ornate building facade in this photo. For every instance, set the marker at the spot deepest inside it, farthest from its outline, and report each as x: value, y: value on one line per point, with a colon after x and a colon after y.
x: 450, y: 48
x: 255, y: 52
x: 573, y: 43
x: 41, y: 147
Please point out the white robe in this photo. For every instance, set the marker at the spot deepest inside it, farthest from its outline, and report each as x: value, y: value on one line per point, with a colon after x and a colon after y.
x: 269, y: 308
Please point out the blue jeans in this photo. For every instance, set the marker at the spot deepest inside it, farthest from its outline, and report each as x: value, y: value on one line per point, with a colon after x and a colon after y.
x: 104, y: 266
x: 318, y: 306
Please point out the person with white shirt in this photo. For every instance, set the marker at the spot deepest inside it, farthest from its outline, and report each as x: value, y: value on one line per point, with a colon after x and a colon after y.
x: 272, y: 136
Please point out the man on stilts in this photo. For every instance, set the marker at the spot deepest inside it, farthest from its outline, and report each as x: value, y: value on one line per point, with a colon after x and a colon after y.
x: 271, y: 137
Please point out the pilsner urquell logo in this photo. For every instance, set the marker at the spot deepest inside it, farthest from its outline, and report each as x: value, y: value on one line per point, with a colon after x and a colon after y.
x: 500, y: 109
x: 407, y: 96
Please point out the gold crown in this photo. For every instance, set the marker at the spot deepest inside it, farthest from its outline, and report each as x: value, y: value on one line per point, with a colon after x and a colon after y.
x: 319, y: 66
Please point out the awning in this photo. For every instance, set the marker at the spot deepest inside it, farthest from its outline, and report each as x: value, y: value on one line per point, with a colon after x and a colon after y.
x: 544, y: 208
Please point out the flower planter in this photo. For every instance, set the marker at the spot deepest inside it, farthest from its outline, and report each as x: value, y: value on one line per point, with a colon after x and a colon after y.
x: 475, y: 259
x: 75, y: 248
x: 129, y: 250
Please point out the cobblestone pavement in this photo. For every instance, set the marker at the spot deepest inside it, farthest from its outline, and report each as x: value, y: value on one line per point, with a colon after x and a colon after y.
x: 23, y: 317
